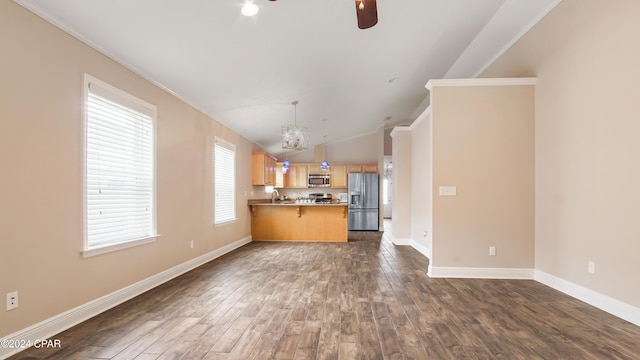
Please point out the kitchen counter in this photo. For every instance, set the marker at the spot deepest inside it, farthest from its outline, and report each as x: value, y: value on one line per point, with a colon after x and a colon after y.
x: 291, y: 203
x: 288, y: 221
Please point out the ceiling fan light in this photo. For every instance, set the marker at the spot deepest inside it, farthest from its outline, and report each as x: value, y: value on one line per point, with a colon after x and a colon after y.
x: 249, y: 9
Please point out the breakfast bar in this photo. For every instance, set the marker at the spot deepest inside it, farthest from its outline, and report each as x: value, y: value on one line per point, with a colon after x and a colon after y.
x: 290, y: 221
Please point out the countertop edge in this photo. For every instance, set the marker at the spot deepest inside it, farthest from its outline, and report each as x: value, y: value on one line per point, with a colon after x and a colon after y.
x: 294, y: 204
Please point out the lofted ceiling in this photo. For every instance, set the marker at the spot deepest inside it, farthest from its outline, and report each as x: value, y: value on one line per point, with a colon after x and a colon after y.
x: 245, y: 71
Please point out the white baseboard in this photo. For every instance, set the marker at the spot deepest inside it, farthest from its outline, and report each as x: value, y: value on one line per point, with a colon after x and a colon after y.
x: 58, y: 323
x: 421, y: 249
x: 615, y: 307
x: 404, y: 242
x: 480, y: 273
x: 395, y: 240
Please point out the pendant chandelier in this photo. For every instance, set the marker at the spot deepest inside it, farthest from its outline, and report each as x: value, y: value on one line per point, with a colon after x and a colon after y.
x: 293, y: 136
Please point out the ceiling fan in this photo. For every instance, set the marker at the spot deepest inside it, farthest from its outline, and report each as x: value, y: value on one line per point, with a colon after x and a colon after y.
x: 366, y: 12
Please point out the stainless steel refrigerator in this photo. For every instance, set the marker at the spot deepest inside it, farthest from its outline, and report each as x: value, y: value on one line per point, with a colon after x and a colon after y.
x: 363, y: 201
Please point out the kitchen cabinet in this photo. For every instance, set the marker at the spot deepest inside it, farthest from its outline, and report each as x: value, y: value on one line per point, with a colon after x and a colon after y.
x: 362, y: 168
x: 317, y: 169
x: 339, y: 176
x: 279, y: 176
x: 296, y: 177
x: 370, y: 168
x: 318, y: 223
x: 263, y: 169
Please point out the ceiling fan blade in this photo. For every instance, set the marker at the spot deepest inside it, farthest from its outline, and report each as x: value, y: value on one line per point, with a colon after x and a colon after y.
x: 367, y: 13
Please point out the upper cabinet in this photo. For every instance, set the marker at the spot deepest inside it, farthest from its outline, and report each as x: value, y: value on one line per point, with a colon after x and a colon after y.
x: 339, y: 176
x: 362, y: 168
x: 263, y: 169
x: 317, y: 169
x: 296, y: 177
x: 279, y: 175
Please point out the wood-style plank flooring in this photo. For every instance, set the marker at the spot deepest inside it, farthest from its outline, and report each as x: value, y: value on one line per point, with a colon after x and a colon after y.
x: 365, y: 299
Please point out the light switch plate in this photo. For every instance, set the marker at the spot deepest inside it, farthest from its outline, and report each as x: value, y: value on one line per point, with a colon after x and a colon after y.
x: 447, y: 190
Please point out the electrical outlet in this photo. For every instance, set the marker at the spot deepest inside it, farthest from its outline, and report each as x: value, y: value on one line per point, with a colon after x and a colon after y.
x: 425, y: 233
x: 12, y: 300
x: 492, y: 251
x: 592, y: 267
x: 191, y: 244
x: 447, y: 190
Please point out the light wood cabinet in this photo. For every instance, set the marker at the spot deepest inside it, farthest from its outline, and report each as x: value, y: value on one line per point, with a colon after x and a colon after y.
x: 362, y: 168
x: 339, y: 176
x: 299, y: 223
x: 263, y: 169
x: 370, y: 168
x: 296, y: 177
x: 279, y: 175
x: 317, y: 169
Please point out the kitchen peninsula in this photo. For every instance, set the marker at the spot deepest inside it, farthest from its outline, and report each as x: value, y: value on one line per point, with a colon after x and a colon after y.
x: 289, y: 221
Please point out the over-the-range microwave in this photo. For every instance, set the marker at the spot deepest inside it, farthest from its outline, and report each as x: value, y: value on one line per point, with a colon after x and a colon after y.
x: 319, y: 180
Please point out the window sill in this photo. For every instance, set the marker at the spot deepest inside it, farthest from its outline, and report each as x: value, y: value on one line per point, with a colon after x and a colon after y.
x: 226, y: 222
x: 116, y: 247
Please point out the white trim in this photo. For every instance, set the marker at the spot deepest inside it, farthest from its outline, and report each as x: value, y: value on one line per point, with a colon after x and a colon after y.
x: 116, y: 247
x: 526, y: 81
x: 63, y: 321
x: 400, y: 128
x: 421, y: 249
x: 396, y: 241
x: 603, y: 302
x: 481, y: 273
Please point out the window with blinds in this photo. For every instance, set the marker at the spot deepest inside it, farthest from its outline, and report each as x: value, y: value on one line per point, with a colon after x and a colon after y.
x: 224, y: 181
x: 119, y: 168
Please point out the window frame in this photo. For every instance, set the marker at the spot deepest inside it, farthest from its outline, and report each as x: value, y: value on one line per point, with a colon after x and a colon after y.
x: 217, y: 141
x: 129, y: 101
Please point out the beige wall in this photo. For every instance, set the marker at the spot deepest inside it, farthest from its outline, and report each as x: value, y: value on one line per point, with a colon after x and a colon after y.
x: 421, y: 182
x: 41, y: 183
x: 362, y: 149
x: 483, y: 144
x: 401, y: 184
x: 585, y: 55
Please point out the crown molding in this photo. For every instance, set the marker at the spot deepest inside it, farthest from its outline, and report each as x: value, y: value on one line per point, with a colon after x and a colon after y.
x: 525, y: 81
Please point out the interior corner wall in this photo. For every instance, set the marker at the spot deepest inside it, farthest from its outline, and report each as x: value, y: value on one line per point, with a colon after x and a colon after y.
x: 41, y: 158
x: 421, y: 184
x: 401, y: 185
x: 388, y: 142
x: 483, y: 143
x: 585, y: 56
x: 380, y: 135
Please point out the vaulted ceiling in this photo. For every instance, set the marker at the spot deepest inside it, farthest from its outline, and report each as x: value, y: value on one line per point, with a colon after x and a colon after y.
x: 245, y: 71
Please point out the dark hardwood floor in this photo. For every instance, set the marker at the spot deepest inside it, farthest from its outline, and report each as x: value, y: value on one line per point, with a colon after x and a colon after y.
x: 365, y: 299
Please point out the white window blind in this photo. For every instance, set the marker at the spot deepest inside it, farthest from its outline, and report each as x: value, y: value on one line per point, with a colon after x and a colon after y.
x: 119, y: 167
x: 224, y: 181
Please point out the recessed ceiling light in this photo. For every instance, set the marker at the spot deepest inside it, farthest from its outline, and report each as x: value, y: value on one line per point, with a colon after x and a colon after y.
x: 250, y: 9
